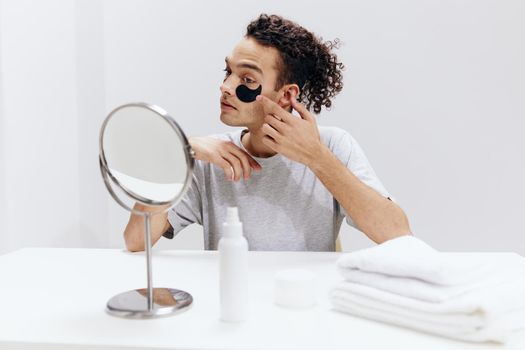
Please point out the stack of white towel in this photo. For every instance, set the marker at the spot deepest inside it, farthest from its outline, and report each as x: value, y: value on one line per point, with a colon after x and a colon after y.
x: 468, y: 296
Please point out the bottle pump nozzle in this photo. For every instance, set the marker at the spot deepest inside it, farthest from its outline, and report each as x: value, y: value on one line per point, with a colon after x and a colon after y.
x: 232, y: 215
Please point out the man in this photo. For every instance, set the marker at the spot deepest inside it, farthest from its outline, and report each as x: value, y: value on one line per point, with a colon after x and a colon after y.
x: 299, y: 180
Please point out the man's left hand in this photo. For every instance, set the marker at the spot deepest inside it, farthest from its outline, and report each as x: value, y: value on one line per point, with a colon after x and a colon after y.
x: 296, y: 138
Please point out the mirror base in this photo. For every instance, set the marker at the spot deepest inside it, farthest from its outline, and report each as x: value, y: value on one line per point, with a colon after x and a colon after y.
x: 134, y: 303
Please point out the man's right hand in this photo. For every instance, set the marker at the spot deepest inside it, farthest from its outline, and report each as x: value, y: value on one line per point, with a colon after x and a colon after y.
x: 226, y: 155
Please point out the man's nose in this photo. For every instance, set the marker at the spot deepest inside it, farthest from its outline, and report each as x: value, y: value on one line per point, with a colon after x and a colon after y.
x: 226, y: 88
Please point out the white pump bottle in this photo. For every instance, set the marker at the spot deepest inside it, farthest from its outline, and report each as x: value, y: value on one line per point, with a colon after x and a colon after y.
x: 233, y: 266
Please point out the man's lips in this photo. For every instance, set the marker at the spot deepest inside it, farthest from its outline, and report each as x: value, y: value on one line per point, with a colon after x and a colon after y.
x: 224, y: 103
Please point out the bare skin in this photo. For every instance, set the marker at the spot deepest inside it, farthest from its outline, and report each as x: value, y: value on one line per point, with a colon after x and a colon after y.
x: 134, y: 232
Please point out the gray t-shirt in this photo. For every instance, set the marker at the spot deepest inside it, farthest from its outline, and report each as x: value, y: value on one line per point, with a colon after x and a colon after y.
x: 282, y: 207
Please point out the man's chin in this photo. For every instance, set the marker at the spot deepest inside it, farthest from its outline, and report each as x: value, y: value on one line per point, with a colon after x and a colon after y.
x: 231, y: 119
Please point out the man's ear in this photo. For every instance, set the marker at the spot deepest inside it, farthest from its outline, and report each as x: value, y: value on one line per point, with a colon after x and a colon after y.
x: 289, y: 92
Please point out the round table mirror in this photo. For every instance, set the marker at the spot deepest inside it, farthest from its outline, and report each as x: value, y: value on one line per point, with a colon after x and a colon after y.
x: 145, y: 158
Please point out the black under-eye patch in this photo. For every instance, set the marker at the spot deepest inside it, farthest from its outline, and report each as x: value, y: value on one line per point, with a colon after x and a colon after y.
x: 245, y: 94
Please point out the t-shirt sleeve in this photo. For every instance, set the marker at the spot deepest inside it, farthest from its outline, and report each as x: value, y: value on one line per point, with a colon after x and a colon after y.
x: 187, y: 211
x: 352, y: 155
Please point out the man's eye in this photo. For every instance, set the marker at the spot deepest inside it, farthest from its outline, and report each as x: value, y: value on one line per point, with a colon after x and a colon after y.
x: 227, y: 74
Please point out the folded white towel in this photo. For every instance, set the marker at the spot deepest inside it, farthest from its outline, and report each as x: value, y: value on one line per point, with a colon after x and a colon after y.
x: 406, y: 282
x: 485, y: 314
x: 477, y: 335
x: 408, y: 256
x: 496, y: 267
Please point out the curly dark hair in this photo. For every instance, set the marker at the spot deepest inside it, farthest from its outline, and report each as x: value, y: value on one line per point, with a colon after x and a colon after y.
x: 306, y: 60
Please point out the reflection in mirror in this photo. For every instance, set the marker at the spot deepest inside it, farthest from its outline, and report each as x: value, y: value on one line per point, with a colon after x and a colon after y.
x: 144, y: 154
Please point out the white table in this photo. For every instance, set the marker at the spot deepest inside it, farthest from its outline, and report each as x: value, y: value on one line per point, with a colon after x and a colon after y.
x: 54, y: 298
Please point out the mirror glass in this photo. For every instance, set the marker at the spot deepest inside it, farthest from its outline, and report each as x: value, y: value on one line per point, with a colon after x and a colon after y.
x: 145, y: 154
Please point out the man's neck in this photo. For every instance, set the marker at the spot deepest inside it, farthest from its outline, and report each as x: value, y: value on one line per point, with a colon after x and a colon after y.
x: 252, y: 141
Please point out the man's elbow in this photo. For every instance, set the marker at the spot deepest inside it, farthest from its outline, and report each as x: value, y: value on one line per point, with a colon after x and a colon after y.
x: 134, y: 243
x: 134, y: 248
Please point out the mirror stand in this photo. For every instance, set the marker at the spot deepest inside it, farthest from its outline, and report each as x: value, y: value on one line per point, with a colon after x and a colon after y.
x: 148, y: 302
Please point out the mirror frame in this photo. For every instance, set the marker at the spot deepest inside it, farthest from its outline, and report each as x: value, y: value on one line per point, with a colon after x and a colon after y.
x: 110, y: 178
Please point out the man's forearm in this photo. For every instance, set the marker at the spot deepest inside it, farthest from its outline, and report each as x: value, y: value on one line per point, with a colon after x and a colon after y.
x: 134, y: 231
x: 379, y: 218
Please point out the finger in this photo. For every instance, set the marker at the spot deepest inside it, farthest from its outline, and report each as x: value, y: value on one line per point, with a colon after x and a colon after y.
x: 267, y: 140
x: 248, y: 162
x: 268, y: 130
x: 255, y: 165
x: 301, y: 109
x: 228, y: 169
x: 240, y: 153
x: 275, y: 123
x: 236, y: 164
x: 271, y: 107
x: 246, y: 168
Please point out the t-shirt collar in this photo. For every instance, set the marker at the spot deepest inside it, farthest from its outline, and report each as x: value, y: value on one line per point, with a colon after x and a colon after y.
x: 260, y: 160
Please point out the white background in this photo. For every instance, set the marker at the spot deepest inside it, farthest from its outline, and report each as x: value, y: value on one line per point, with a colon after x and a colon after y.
x: 434, y: 93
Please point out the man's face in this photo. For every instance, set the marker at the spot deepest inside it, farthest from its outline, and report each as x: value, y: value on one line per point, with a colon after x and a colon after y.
x: 250, y: 64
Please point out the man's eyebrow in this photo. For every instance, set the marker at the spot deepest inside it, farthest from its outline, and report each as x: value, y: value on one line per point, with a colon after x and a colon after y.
x: 246, y: 65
